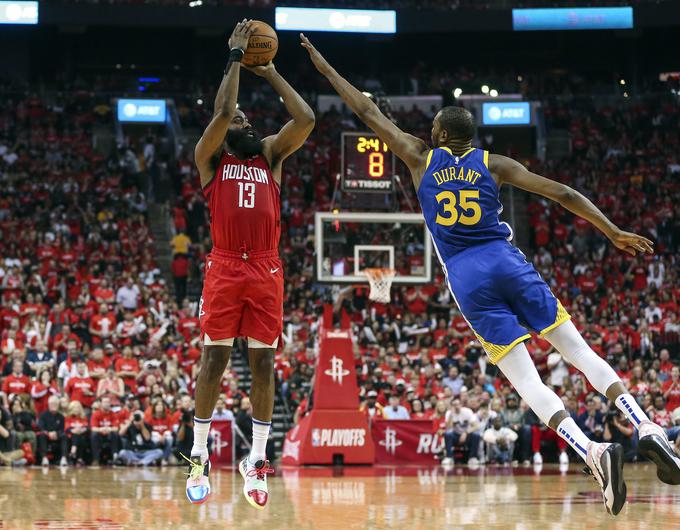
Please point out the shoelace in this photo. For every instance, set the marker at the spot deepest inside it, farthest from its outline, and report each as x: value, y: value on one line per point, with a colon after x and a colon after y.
x: 266, y: 469
x: 196, y: 470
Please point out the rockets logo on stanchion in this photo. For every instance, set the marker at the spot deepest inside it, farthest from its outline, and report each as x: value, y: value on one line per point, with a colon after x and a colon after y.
x: 336, y: 370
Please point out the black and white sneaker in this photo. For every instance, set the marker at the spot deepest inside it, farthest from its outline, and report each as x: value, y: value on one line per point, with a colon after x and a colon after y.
x: 605, y: 463
x: 654, y: 446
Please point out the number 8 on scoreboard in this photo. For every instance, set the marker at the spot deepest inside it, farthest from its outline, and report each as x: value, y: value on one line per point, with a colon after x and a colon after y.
x: 367, y: 163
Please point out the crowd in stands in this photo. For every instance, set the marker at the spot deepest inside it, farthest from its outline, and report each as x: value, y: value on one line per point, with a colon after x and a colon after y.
x: 98, y: 355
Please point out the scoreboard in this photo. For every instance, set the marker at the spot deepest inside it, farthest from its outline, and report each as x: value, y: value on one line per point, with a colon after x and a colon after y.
x: 367, y: 163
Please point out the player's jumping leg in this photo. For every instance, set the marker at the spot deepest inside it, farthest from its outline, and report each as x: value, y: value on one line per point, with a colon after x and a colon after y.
x: 213, y: 363
x: 653, y: 443
x: 255, y: 467
x: 605, y: 461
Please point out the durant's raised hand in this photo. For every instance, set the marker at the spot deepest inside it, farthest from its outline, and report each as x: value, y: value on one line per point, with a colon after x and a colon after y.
x: 319, y: 61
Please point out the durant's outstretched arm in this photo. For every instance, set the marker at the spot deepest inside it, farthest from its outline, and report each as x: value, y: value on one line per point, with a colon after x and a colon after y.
x: 508, y: 170
x: 411, y: 150
x: 225, y: 105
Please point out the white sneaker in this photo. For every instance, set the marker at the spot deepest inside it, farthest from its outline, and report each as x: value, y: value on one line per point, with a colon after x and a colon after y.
x: 255, y: 482
x: 63, y: 462
x: 605, y: 462
x: 45, y: 462
x: 473, y: 462
x: 564, y: 458
x: 538, y: 459
x: 447, y: 462
x: 654, y: 446
x: 198, y: 483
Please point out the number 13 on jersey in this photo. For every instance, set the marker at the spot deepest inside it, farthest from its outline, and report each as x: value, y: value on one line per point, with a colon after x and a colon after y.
x: 246, y: 195
x: 468, y: 211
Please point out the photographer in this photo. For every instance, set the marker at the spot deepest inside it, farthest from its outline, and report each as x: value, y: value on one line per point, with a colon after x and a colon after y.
x: 136, y: 437
x: 185, y: 431
x: 617, y: 429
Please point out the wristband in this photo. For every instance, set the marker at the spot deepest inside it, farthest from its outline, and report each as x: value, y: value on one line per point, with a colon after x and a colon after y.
x: 235, y: 56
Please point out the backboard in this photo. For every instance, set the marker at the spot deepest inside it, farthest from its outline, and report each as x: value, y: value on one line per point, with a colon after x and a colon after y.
x: 346, y: 243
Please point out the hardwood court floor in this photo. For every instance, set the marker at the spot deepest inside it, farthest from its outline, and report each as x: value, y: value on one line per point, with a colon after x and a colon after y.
x: 327, y: 498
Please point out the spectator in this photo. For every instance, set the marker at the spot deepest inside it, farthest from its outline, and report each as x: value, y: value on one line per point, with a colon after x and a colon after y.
x: 51, y: 434
x: 162, y: 426
x: 371, y: 407
x: 42, y: 389
x: 77, y: 437
x: 23, y: 421
x: 16, y: 383
x: 221, y: 411
x: 461, y: 429
x: 128, y: 295
x: 111, y: 386
x: 139, y: 449
x: 180, y: 273
x: 617, y: 429
x: 39, y: 358
x: 185, y: 431
x: 592, y: 421
x: 104, y: 428
x: 453, y: 380
x: 501, y: 442
x: 81, y: 387
x: 395, y: 411
x: 180, y: 244
x: 10, y: 454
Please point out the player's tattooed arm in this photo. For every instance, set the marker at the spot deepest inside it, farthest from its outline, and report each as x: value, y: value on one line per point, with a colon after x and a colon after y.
x: 507, y: 170
x: 294, y: 133
x: 225, y: 107
x: 411, y: 150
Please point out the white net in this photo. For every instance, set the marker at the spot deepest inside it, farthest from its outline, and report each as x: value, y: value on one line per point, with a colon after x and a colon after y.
x: 381, y: 282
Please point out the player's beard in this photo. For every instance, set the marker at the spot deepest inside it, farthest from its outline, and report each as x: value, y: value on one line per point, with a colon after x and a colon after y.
x: 246, y: 142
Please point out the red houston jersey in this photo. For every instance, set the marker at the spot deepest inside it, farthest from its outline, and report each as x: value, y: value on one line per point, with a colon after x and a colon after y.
x: 245, y: 205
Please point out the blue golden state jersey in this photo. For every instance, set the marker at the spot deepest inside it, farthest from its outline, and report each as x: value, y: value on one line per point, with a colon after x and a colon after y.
x: 499, y: 293
x: 460, y: 202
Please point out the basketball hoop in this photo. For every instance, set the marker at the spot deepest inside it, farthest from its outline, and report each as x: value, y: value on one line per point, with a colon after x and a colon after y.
x: 381, y: 282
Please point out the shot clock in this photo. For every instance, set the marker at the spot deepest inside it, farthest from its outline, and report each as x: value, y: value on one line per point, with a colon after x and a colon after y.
x: 367, y: 163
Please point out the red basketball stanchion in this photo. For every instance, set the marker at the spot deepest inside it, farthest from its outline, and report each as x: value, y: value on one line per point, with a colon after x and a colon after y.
x: 334, y: 427
x: 223, y: 448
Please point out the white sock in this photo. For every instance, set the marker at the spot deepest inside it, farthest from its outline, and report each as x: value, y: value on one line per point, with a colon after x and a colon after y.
x: 260, y: 435
x: 573, y: 435
x: 201, y: 430
x: 627, y: 404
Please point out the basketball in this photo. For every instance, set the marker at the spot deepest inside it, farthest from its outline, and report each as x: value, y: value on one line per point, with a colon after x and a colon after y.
x: 262, y: 45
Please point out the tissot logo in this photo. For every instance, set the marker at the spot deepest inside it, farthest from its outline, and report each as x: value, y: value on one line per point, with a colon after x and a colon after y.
x: 336, y: 370
x: 391, y: 442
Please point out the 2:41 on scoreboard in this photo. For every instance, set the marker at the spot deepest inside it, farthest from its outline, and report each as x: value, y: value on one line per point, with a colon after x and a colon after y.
x: 367, y: 163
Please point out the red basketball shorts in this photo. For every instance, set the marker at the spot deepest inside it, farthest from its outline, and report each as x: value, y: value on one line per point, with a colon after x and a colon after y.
x: 242, y: 297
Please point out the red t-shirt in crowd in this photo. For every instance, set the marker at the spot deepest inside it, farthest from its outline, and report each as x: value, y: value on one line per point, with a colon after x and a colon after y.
x: 673, y: 399
x: 75, y: 422
x: 16, y: 384
x: 128, y: 365
x: 79, y: 389
x: 40, y: 394
x: 104, y: 419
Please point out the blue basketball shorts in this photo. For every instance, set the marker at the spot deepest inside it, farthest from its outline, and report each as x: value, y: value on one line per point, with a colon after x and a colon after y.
x: 502, y: 296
